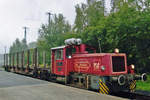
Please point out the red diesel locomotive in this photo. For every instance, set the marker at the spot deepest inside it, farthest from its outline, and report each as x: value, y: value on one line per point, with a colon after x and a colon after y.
x: 79, y: 65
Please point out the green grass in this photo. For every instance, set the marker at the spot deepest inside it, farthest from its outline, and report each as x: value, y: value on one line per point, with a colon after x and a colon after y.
x: 145, y: 86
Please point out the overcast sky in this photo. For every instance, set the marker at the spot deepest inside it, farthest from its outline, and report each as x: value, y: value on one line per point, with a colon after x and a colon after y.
x: 15, y: 14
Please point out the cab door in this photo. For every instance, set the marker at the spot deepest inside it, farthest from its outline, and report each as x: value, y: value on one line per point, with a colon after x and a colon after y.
x: 59, y: 63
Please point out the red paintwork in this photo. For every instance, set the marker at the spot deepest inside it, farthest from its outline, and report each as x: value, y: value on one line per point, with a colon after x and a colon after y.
x: 130, y: 70
x: 82, y: 62
x: 94, y: 62
x: 55, y: 67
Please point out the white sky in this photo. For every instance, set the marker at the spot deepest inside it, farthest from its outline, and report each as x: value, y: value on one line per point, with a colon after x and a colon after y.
x: 15, y: 14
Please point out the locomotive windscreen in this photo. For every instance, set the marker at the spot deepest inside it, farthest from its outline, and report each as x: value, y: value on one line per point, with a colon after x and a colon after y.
x: 118, y: 63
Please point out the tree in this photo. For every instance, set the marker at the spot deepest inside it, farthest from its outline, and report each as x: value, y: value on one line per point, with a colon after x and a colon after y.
x: 18, y: 46
x: 52, y: 35
x: 126, y: 28
x: 88, y: 14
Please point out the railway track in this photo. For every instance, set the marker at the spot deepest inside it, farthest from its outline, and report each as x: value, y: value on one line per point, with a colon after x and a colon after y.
x: 142, y: 95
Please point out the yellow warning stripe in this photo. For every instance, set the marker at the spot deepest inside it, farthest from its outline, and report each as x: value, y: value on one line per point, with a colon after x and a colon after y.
x: 104, y: 85
x: 103, y: 88
x: 133, y: 84
x: 132, y: 88
x: 100, y: 91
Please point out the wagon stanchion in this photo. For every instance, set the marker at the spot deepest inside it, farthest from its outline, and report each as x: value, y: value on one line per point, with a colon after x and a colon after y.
x: 37, y: 63
x: 10, y: 61
x: 17, y: 59
x: 22, y: 61
x: 35, y: 70
x: 13, y: 61
x: 32, y: 62
x: 28, y: 61
x: 37, y: 58
x: 44, y: 72
x: 6, y: 62
x: 44, y: 59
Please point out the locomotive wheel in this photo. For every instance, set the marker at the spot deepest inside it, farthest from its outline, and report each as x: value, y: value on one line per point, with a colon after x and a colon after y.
x: 121, y: 80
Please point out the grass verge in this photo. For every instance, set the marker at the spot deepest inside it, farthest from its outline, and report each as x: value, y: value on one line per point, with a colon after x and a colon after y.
x: 144, y: 86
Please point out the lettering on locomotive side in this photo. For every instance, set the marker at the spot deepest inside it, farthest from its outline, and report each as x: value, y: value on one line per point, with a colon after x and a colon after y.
x: 81, y: 66
x: 96, y: 65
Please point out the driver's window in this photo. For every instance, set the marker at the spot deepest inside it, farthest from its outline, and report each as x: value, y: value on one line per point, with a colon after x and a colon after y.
x: 69, y: 52
x: 89, y: 50
x: 59, y: 54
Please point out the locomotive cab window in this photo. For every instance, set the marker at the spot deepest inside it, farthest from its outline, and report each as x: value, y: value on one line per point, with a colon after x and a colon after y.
x: 89, y: 50
x: 70, y: 51
x: 59, y: 54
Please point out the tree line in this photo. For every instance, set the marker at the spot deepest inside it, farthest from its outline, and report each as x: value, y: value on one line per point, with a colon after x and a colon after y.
x: 126, y: 26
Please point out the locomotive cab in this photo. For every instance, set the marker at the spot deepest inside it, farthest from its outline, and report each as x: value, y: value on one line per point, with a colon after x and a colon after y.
x: 58, y: 60
x: 62, y: 57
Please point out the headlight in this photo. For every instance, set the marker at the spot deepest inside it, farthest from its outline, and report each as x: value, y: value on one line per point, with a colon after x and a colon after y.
x: 116, y: 50
x: 132, y: 66
x: 103, y: 68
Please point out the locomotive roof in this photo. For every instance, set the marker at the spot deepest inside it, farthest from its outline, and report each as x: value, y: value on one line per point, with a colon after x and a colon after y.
x: 60, y: 47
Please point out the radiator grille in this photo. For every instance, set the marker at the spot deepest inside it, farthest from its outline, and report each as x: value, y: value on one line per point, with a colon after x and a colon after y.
x: 118, y: 63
